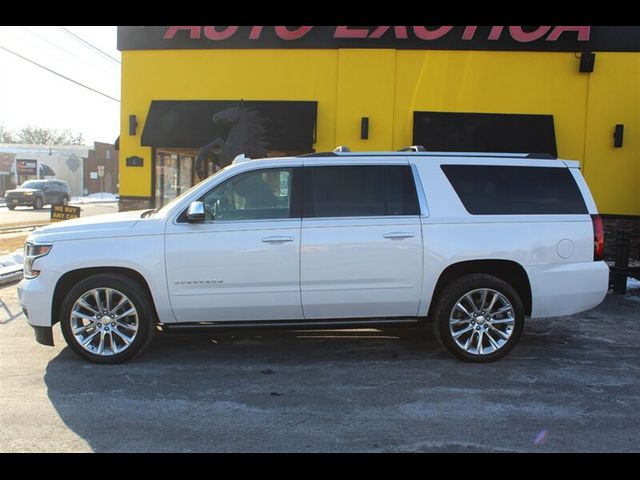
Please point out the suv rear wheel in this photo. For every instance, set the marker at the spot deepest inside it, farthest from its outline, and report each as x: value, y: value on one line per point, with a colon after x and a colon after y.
x: 479, y: 318
x: 107, y: 318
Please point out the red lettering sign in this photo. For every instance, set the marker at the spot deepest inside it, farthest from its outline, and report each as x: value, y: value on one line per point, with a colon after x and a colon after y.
x: 400, y: 32
x: 212, y: 34
x: 517, y: 33
x: 286, y: 34
x: 346, y: 32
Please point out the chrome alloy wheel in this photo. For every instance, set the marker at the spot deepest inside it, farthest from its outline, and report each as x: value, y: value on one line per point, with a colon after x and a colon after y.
x: 482, y: 321
x: 104, y: 321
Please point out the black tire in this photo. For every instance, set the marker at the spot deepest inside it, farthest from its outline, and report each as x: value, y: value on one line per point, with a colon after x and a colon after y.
x: 11, y: 207
x: 138, y: 297
x: 479, y: 326
x: 37, y: 203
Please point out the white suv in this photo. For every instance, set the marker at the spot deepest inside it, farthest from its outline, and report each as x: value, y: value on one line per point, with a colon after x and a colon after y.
x: 475, y: 242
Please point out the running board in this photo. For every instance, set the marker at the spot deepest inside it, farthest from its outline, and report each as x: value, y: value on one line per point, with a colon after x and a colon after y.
x: 287, y: 324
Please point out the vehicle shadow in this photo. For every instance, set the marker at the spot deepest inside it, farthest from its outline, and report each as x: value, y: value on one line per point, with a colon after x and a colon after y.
x: 217, y: 392
x: 360, y: 391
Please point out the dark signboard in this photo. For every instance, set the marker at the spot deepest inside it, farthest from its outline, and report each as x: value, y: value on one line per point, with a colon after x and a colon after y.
x: 27, y: 167
x: 64, y: 212
x: 484, y: 132
x: 526, y: 38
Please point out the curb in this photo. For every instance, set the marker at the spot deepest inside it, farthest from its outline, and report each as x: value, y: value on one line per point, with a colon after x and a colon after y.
x: 11, y: 277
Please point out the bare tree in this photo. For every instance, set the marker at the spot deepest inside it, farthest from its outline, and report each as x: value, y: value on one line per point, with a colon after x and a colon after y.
x: 6, y: 136
x: 48, y: 136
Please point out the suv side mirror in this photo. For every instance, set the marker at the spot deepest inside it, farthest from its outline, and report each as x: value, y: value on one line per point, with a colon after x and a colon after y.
x: 195, y: 213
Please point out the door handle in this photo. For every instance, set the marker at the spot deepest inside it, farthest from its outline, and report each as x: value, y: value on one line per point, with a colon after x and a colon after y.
x: 398, y: 235
x: 277, y: 239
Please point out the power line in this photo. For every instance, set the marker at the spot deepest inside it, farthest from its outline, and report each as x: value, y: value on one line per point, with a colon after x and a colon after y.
x: 58, y: 74
x: 90, y: 45
x: 69, y: 52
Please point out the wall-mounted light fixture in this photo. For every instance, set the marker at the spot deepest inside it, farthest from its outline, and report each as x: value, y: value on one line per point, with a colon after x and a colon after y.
x: 364, y: 128
x: 618, y: 133
x: 134, y: 161
x: 133, y: 124
x: 587, y: 62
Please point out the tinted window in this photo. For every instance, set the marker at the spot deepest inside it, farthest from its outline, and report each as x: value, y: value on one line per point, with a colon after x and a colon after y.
x: 33, y: 184
x: 493, y: 190
x: 359, y: 191
x: 257, y: 195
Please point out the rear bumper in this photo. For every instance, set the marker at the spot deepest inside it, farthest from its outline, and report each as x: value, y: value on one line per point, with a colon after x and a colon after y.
x: 565, y: 289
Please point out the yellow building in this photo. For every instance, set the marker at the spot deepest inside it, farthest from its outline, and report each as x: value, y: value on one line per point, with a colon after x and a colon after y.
x: 570, y: 91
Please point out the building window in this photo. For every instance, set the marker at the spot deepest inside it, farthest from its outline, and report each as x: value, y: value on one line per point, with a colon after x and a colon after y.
x: 107, y: 154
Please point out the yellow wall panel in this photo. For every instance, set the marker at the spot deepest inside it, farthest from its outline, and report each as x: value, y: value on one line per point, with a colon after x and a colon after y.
x: 389, y: 85
x: 365, y: 89
x: 493, y: 82
x: 613, y: 174
x: 221, y: 75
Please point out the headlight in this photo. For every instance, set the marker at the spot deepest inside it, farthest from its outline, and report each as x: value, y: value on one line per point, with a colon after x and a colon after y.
x: 28, y: 193
x: 31, y: 253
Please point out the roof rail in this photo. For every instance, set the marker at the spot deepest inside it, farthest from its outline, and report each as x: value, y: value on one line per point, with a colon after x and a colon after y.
x: 413, y: 148
x: 542, y: 155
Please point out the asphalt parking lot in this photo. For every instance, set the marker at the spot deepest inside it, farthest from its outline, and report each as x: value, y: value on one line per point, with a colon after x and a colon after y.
x: 572, y: 385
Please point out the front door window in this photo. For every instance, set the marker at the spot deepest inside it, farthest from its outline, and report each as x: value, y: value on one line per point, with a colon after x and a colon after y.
x: 257, y: 195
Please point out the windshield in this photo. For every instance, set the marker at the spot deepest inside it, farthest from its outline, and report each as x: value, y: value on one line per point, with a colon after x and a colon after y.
x: 32, y: 184
x: 187, y: 192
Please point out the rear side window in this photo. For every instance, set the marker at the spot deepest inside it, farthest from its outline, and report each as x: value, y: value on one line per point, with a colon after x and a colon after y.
x: 506, y: 190
x: 359, y: 191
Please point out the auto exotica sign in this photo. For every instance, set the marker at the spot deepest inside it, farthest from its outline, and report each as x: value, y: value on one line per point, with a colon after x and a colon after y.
x: 536, y: 38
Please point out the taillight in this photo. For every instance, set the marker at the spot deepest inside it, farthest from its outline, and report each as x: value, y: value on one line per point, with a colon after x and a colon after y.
x: 598, y: 238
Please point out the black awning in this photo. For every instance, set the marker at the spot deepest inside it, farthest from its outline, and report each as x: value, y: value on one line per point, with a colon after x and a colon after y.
x: 116, y: 144
x: 46, y: 171
x: 283, y: 125
x: 484, y: 132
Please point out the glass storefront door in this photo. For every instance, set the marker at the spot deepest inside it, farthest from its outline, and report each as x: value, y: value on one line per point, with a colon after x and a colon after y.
x: 173, y: 175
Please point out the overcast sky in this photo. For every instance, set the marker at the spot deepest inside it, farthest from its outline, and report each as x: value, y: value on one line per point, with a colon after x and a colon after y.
x: 30, y: 95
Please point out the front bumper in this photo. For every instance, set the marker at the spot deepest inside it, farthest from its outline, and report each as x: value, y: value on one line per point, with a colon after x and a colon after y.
x: 44, y: 335
x: 35, y: 297
x: 20, y: 201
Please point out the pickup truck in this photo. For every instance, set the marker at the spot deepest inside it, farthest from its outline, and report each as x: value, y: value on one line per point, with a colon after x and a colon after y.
x: 470, y: 243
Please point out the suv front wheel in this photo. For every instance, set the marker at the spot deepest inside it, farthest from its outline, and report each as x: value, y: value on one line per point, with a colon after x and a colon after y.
x: 479, y: 318
x: 107, y: 318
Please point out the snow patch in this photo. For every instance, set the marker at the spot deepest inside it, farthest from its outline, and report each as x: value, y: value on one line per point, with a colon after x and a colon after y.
x: 632, y: 283
x: 13, y: 259
x: 96, y: 198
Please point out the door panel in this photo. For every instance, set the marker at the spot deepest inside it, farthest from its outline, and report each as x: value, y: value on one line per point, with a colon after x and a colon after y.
x: 224, y: 272
x: 243, y: 261
x: 366, y: 267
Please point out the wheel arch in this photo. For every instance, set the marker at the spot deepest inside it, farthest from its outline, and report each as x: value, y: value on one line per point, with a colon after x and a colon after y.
x: 74, y: 276
x: 511, y: 272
